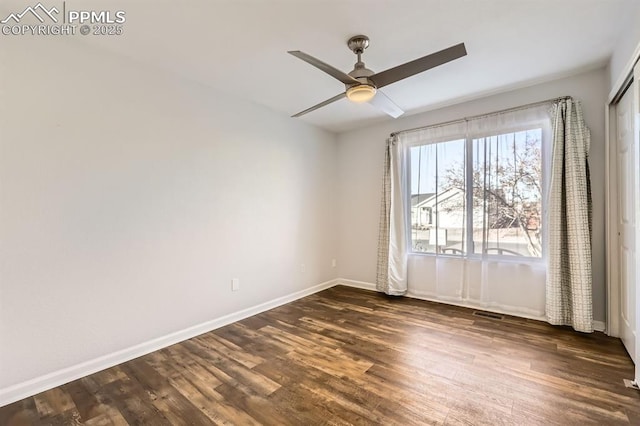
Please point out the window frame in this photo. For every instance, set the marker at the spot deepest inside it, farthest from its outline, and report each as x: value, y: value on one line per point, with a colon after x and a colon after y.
x: 545, y: 134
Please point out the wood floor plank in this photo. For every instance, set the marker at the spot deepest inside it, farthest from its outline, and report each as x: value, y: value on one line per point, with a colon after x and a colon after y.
x: 346, y: 356
x: 229, y: 349
x: 85, y: 401
x: 337, y: 398
x: 257, y: 406
x: 20, y: 413
x: 241, y: 374
x: 132, y: 401
x: 175, y: 407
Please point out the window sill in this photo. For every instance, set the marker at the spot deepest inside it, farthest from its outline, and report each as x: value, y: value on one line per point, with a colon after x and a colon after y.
x: 490, y: 258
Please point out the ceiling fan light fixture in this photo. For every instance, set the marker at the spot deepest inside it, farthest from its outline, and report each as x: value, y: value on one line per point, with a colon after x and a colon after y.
x: 361, y: 93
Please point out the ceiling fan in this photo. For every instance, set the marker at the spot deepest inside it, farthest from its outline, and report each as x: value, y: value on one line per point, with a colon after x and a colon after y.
x: 362, y: 84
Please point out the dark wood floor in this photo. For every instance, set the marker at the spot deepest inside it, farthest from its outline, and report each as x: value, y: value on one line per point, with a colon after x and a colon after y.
x: 347, y: 356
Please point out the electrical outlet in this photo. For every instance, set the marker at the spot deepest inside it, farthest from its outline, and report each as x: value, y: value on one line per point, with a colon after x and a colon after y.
x: 235, y: 284
x: 334, y: 263
x: 303, y: 268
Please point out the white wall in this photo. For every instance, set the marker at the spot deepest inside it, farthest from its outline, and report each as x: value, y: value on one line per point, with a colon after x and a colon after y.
x: 361, y: 154
x: 130, y: 198
x: 625, y: 46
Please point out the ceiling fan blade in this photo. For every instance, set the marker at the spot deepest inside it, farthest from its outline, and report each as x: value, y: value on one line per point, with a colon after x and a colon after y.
x: 419, y: 65
x: 332, y: 71
x: 386, y: 105
x: 321, y: 104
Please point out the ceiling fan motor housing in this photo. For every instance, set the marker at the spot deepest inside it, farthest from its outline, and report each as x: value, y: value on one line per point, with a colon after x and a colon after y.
x: 361, y: 74
x: 358, y: 44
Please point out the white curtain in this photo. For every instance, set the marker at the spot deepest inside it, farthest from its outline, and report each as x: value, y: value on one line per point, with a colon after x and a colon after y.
x: 392, y: 238
x: 476, y: 278
x: 569, y: 282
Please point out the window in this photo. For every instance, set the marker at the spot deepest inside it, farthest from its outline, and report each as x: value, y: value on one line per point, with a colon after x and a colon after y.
x: 478, y: 195
x: 437, y: 178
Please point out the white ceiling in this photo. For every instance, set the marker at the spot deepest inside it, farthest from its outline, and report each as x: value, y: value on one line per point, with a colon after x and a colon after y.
x: 239, y: 46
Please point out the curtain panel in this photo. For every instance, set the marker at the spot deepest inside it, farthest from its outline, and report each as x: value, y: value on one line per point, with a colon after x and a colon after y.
x: 569, y: 293
x: 391, y: 277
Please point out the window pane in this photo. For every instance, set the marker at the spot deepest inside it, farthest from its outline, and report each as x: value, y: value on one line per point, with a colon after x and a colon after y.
x: 438, y: 218
x: 507, y: 194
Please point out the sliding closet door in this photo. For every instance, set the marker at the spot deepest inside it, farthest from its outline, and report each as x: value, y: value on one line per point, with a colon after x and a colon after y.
x: 627, y: 165
x: 626, y: 221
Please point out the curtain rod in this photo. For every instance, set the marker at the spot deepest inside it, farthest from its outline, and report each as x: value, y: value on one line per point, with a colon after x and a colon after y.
x: 474, y: 117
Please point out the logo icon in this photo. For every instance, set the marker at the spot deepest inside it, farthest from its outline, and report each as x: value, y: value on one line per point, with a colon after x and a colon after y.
x: 38, y: 11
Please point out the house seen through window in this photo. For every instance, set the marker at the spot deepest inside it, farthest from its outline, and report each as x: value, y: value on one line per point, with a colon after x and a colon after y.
x: 478, y: 195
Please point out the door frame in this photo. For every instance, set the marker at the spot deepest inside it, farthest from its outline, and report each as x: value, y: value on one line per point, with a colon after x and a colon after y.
x: 611, y: 193
x: 636, y: 154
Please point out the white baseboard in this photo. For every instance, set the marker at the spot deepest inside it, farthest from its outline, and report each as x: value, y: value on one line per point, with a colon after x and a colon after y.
x: 356, y: 284
x: 597, y: 325
x: 48, y: 381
